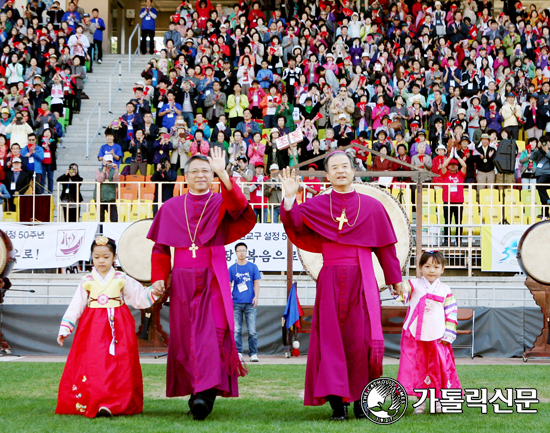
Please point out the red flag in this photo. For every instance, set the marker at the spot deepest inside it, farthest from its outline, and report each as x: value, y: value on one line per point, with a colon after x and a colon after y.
x: 176, y: 18
x: 362, y: 106
x: 318, y: 116
x: 347, y: 12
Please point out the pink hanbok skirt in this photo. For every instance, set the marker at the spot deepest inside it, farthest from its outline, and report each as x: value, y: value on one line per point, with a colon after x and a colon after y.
x: 426, y: 364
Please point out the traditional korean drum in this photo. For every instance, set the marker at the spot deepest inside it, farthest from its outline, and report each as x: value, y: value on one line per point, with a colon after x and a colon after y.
x: 313, y: 262
x: 134, y: 250
x: 534, y: 250
x: 7, y: 255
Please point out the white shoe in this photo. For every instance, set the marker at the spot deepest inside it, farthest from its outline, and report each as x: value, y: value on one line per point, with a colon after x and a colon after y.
x: 287, y: 354
x: 420, y: 409
x: 438, y: 407
x: 254, y: 358
x: 241, y: 357
x: 100, y: 61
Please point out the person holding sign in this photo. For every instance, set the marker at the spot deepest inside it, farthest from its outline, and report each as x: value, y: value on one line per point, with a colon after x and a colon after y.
x: 202, y: 357
x: 346, y: 227
x: 245, y: 277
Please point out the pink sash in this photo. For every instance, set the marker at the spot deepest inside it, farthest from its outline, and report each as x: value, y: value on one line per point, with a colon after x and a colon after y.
x: 337, y: 254
x: 421, y: 309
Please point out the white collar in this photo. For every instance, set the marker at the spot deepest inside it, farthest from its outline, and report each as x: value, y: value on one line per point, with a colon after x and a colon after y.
x: 100, y: 278
x: 194, y: 193
x: 347, y: 192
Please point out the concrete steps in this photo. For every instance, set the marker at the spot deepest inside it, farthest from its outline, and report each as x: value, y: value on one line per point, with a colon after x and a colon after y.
x: 97, y: 88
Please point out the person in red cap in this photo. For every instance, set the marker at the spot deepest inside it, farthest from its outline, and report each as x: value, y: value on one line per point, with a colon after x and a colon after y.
x: 311, y: 185
x: 453, y: 192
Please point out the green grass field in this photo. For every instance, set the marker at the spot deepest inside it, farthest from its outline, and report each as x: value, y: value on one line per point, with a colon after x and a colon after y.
x: 270, y: 402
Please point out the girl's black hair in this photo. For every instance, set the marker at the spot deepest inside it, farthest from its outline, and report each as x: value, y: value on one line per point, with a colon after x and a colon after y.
x: 435, y: 255
x: 110, y: 244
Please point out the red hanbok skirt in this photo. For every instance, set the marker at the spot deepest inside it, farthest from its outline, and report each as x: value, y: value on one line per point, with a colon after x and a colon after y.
x: 92, y: 377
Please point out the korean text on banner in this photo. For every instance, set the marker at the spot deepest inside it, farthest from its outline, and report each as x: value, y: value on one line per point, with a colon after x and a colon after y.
x: 267, y: 246
x: 46, y: 246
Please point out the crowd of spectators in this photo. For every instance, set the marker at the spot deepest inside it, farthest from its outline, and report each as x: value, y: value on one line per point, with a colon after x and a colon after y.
x: 419, y: 81
x: 46, y: 56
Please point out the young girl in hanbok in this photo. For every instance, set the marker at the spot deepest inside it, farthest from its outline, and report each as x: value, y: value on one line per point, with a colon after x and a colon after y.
x: 102, y: 376
x: 427, y: 359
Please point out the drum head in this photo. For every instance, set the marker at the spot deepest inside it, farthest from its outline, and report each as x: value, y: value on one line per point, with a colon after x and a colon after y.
x: 134, y: 250
x: 533, y: 248
x: 3, y: 253
x: 313, y: 262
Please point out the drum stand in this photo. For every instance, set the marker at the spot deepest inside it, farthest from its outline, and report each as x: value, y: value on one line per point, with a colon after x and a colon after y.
x: 152, y: 338
x: 541, y: 294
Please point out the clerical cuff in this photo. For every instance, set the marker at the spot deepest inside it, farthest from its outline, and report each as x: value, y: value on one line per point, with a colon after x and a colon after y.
x: 289, y: 202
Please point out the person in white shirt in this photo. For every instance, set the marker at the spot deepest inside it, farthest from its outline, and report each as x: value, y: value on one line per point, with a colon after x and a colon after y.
x: 79, y: 43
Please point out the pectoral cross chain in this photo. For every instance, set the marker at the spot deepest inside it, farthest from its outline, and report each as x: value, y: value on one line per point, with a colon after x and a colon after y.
x: 341, y: 219
x: 193, y: 248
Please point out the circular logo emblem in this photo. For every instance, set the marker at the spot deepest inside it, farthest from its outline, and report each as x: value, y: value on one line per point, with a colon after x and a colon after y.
x: 384, y: 401
x: 102, y: 299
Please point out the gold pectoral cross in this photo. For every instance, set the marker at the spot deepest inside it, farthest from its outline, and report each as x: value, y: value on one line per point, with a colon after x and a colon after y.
x: 342, y: 219
x: 193, y: 248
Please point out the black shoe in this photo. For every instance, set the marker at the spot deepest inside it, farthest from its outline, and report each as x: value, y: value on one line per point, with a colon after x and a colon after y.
x: 104, y: 412
x: 340, y: 415
x: 357, y: 411
x: 200, y: 409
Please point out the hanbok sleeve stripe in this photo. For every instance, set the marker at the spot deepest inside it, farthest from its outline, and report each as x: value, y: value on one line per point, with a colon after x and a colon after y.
x: 67, y: 324
x: 453, y: 305
x: 450, y: 331
x: 150, y: 295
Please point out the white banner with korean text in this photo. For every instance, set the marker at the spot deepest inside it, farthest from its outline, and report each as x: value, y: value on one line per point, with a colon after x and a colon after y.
x: 46, y: 246
x: 267, y: 246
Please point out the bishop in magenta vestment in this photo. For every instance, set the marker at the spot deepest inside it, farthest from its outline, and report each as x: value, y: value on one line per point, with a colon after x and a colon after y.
x: 346, y: 343
x: 201, y: 353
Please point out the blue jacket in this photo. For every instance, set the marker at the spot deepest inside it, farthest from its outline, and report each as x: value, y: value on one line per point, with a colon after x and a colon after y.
x: 72, y: 18
x: 4, y: 193
x: 169, y: 120
x: 205, y: 88
x: 36, y: 157
x: 59, y: 129
x: 207, y: 132
x: 148, y: 18
x: 254, y: 127
x: 100, y: 24
x: 265, y: 73
x: 175, y: 36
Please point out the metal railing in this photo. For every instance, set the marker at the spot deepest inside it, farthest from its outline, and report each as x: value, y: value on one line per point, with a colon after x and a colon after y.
x: 98, y: 130
x: 131, y: 55
x: 460, y: 237
x: 119, y: 88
